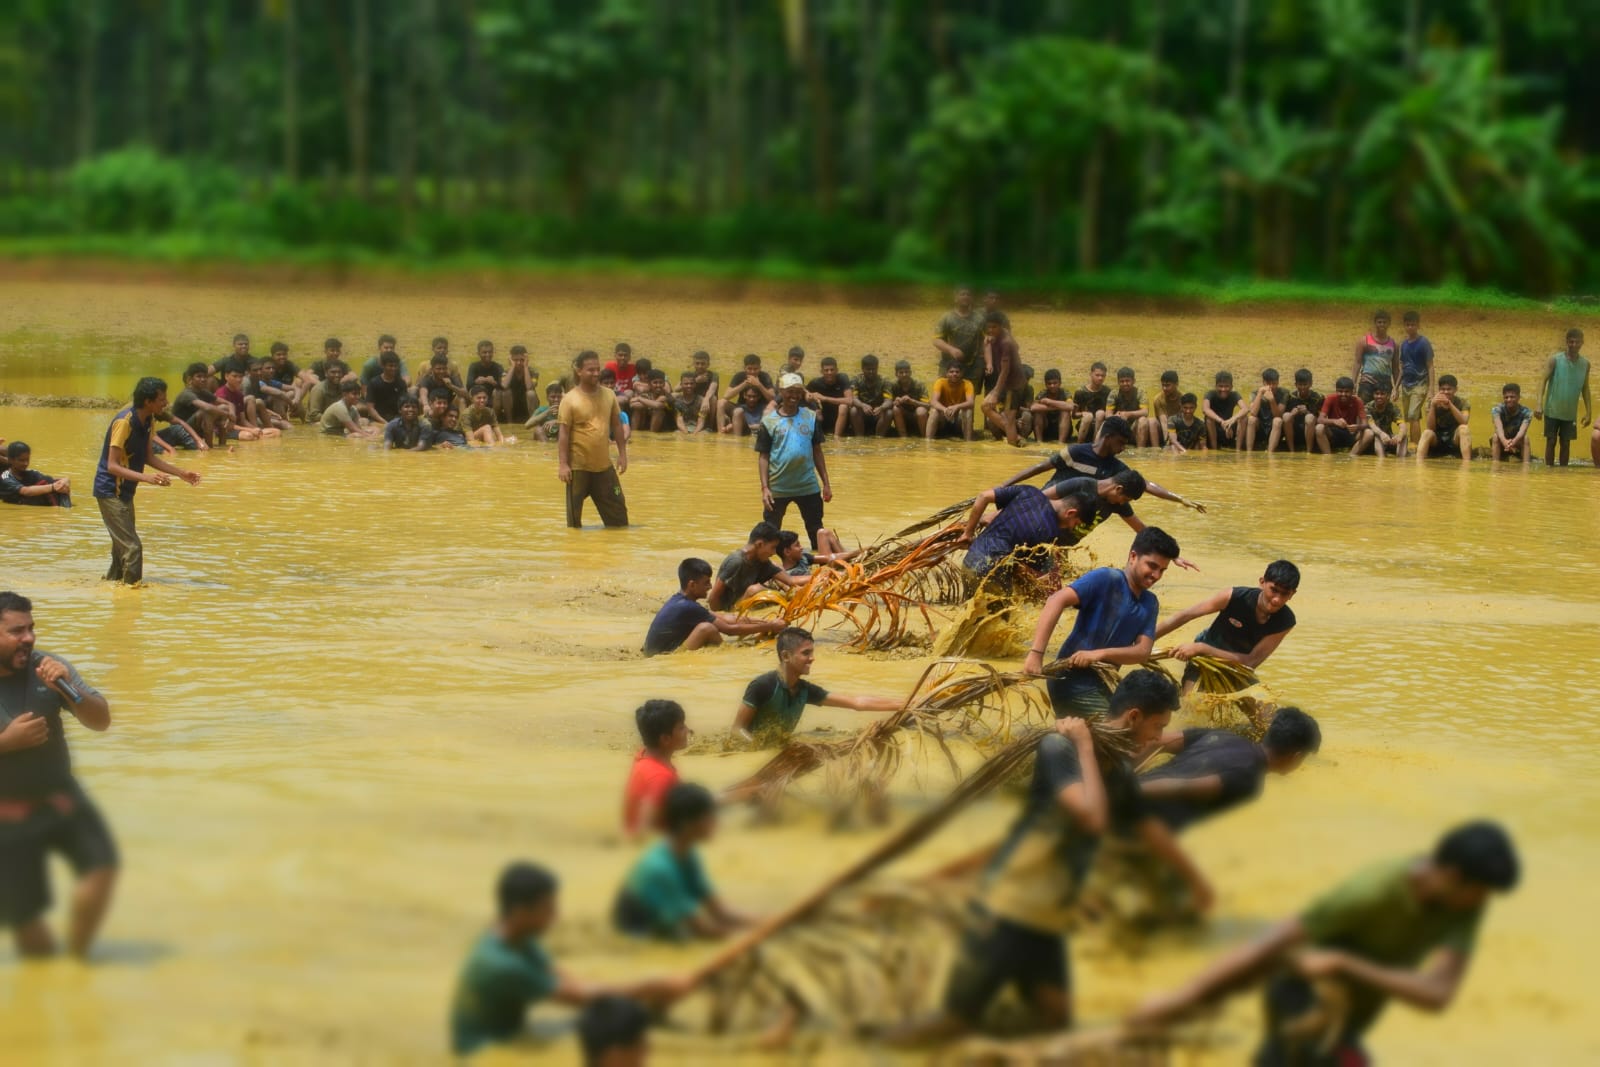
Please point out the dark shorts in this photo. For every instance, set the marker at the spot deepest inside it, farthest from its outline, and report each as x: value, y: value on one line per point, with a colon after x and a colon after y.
x: 1340, y: 437
x: 1289, y: 997
x: 178, y: 438
x: 1448, y: 445
x: 1560, y: 429
x: 630, y: 916
x: 996, y: 953
x: 79, y: 835
x: 1294, y: 432
x: 1078, y: 693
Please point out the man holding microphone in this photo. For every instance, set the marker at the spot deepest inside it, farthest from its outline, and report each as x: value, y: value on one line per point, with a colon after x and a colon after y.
x: 42, y: 807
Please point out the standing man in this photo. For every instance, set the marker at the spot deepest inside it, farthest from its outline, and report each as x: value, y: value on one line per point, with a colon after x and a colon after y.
x: 589, y: 421
x: 1566, y: 377
x: 128, y: 448
x: 789, y: 459
x: 1416, y: 376
x: 959, y: 339
x: 1003, y: 362
x: 42, y: 807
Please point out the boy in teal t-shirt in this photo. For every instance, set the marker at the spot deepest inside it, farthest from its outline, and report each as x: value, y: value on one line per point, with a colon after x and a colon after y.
x: 667, y: 893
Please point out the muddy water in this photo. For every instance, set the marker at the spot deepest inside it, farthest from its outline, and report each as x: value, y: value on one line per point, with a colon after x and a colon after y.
x: 357, y: 683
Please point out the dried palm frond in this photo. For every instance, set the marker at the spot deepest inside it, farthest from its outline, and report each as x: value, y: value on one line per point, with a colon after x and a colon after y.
x: 1227, y: 695
x: 1216, y: 675
x: 941, y: 517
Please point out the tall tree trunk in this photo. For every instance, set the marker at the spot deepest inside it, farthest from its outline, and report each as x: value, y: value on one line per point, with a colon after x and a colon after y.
x: 88, y: 34
x: 1089, y: 204
x: 291, y: 90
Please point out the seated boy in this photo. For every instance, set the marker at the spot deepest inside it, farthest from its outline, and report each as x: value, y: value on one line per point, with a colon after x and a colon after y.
x: 19, y: 485
x: 663, y: 729
x: 1446, y: 432
x: 286, y: 375
x: 264, y: 398
x: 198, y: 409
x: 829, y: 397
x: 773, y: 702
x: 342, y: 418
x: 667, y: 894
x: 520, y: 397
x: 1185, y: 433
x: 1266, y: 411
x: 1090, y: 403
x: 1213, y: 770
x: 735, y: 395
x: 951, y: 406
x: 450, y: 435
x: 1129, y: 403
x: 1052, y: 411
x: 683, y: 622
x: 407, y: 432
x: 746, y: 415
x: 1386, y: 431
x: 1511, y: 423
x: 385, y: 390
x: 1163, y: 407
x: 747, y: 569
x: 651, y: 406
x: 707, y: 387
x: 230, y: 395
x: 1250, y: 623
x: 483, y: 425
x: 544, y: 420
x: 508, y: 970
x: 1343, y: 420
x: 796, y: 559
x: 326, y: 390
x: 1403, y: 928
x: 910, y: 401
x: 485, y: 373
x: 440, y: 377
x: 1300, y: 413
x: 688, y: 414
x: 871, y: 405
x: 1223, y: 413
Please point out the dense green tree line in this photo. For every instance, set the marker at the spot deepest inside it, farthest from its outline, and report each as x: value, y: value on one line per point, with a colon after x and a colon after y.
x: 1395, y: 140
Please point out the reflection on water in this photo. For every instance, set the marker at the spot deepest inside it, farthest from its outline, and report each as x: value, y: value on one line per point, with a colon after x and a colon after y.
x: 358, y: 682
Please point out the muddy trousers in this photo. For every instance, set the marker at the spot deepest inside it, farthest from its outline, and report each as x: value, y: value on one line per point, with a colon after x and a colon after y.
x: 810, y: 507
x: 605, y: 489
x: 127, y: 551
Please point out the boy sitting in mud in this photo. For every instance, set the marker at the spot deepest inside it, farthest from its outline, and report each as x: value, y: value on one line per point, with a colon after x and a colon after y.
x: 736, y: 395
x: 910, y: 401
x: 1090, y: 403
x: 1223, y: 413
x: 1185, y: 432
x: 871, y: 405
x: 198, y: 409
x: 521, y: 395
x: 773, y: 702
x: 1386, y: 431
x: 1446, y: 432
x: 1265, y: 413
x: 19, y: 485
x: 343, y: 418
x: 1052, y: 411
x: 667, y: 895
x: 1300, y: 412
x: 1511, y: 424
x: 483, y: 425
x: 683, y: 622
x: 440, y: 378
x: 543, y: 421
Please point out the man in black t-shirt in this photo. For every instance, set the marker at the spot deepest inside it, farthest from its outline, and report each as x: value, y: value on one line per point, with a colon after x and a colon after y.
x: 1250, y: 623
x: 827, y: 395
x: 754, y: 375
x: 42, y: 807
x: 386, y: 391
x: 1214, y: 770
x: 1113, y: 495
x: 1223, y: 413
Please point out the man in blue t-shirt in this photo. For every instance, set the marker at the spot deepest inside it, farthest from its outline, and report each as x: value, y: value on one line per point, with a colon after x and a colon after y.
x: 1027, y: 520
x: 1116, y: 624
x: 684, y: 622
x: 789, y: 459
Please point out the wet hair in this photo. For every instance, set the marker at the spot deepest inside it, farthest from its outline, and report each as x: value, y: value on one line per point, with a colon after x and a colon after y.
x: 1574, y: 333
x: 994, y: 318
x: 752, y: 360
x: 623, y: 348
x: 608, y: 375
x: 1282, y: 573
x: 1084, y: 503
x: 332, y: 342
x: 553, y: 387
x: 1116, y: 426
x: 1052, y: 375
x: 791, y: 638
x: 279, y: 346
x: 519, y: 350
x: 1270, y: 376
x: 1411, y: 316
x: 1511, y: 387
x: 1169, y: 376
x: 10, y: 601
x: 482, y: 390
x: 439, y: 360
x: 195, y: 368
x: 701, y: 354
x: 661, y: 376
x: 439, y: 394
x: 1482, y: 853
x: 1302, y: 375
x: 1154, y: 541
x: 787, y: 539
x: 409, y: 401
x: 440, y: 340
x: 1188, y: 398
x: 485, y: 343
x: 1152, y: 692
x: 1446, y: 379
x: 388, y: 359
x: 829, y: 361
x: 583, y: 357
x: 691, y: 570
x: 611, y: 1022
x: 1125, y: 372
x: 686, y: 376
x: 763, y: 531
x: 796, y: 350
x: 240, y: 337
x: 686, y: 804
x: 523, y: 885
x: 1097, y: 366
x: 902, y: 364
x: 1224, y: 377
x: 18, y: 449
x: 1344, y: 383
x: 1381, y: 387
x: 869, y: 362
x: 350, y: 385
x: 1131, y: 482
x: 386, y: 339
x: 1027, y: 372
x: 1381, y: 313
x: 146, y: 390
x: 657, y: 719
x: 1292, y: 732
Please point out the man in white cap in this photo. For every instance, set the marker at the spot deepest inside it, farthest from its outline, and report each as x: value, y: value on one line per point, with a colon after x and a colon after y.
x: 789, y: 459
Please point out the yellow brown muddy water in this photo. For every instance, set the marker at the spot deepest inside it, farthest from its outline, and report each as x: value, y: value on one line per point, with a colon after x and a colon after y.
x: 357, y: 683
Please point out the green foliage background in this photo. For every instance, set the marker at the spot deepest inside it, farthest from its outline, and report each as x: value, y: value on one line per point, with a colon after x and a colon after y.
x: 1118, y: 146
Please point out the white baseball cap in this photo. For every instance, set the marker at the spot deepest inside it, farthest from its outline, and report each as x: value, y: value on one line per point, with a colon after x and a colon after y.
x: 791, y: 381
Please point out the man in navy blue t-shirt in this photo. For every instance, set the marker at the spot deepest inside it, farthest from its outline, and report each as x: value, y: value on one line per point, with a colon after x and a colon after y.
x: 684, y: 622
x: 1027, y: 519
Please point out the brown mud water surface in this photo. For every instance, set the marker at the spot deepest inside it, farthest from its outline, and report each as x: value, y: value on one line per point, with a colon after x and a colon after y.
x: 357, y: 683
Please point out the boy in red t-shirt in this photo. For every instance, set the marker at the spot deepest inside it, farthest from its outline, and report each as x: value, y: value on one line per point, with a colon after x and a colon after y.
x: 664, y: 730
x: 623, y: 367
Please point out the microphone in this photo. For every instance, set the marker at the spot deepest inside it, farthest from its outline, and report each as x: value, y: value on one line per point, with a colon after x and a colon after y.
x: 65, y: 686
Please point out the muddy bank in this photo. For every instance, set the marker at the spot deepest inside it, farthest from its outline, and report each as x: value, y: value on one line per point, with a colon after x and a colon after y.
x: 88, y: 403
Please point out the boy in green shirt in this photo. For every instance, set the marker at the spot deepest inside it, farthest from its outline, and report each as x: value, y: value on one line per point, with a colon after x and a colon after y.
x: 774, y: 702
x: 508, y: 969
x: 1566, y: 378
x: 667, y: 894
x: 1402, y: 928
